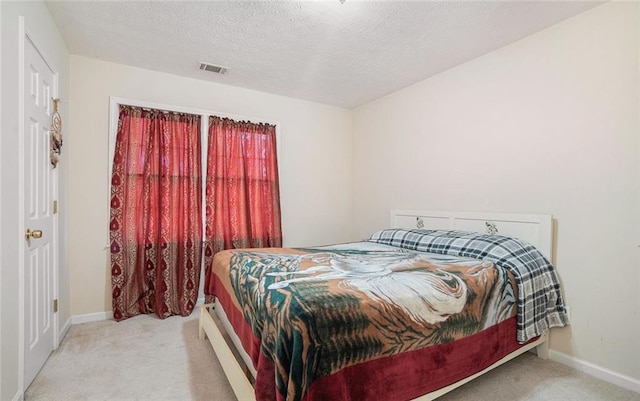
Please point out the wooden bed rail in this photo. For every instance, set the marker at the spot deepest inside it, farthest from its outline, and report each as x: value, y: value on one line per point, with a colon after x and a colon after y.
x: 234, y: 371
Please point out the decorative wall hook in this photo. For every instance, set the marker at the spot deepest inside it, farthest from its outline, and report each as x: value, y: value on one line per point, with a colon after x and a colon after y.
x: 56, y: 134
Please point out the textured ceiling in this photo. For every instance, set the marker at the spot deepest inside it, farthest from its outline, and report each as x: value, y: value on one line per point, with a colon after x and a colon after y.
x: 324, y: 51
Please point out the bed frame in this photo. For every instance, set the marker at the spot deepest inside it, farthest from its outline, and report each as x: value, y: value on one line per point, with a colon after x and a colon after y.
x: 533, y: 228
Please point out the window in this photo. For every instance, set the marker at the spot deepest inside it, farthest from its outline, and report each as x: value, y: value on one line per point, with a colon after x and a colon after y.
x: 159, y: 159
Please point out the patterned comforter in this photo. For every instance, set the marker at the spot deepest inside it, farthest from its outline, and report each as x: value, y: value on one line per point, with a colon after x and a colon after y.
x: 540, y: 304
x: 316, y: 311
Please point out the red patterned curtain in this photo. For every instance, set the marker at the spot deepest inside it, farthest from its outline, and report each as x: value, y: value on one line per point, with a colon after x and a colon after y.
x: 243, y: 196
x: 156, y: 213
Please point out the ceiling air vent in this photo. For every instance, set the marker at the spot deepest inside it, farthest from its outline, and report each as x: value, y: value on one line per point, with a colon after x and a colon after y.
x: 218, y: 69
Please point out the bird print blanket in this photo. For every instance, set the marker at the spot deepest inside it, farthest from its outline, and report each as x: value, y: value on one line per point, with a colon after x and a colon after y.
x: 318, y: 310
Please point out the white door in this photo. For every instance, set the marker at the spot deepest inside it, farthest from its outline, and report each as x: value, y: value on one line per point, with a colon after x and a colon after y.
x: 39, y: 87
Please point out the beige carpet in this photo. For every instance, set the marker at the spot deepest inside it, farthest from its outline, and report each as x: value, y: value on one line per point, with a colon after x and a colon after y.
x: 145, y: 358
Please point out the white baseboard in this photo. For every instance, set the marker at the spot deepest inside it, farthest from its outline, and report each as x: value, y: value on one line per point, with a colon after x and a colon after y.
x: 91, y: 317
x: 64, y: 330
x: 596, y: 371
x: 18, y: 397
x: 96, y: 317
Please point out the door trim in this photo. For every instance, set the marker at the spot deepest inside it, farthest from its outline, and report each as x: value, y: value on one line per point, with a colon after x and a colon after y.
x: 24, y: 35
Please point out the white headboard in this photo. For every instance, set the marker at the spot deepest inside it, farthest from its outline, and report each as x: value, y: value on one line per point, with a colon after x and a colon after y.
x: 536, y: 229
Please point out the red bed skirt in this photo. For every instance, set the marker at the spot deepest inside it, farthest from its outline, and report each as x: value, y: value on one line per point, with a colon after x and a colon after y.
x: 400, y: 377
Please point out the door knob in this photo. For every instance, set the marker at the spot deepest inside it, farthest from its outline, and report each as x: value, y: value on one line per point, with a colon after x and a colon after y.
x: 32, y: 234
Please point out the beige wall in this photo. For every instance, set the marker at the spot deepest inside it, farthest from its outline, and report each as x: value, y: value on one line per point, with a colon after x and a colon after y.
x: 548, y: 124
x: 315, y: 165
x: 41, y: 28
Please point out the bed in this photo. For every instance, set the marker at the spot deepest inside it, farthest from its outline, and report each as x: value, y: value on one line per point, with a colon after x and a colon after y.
x: 408, y: 314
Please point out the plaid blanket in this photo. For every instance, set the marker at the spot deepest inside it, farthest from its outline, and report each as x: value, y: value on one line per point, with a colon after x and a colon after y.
x: 540, y: 304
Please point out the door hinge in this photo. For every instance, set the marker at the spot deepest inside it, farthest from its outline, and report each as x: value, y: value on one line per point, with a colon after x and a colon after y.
x: 55, y: 306
x: 55, y: 206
